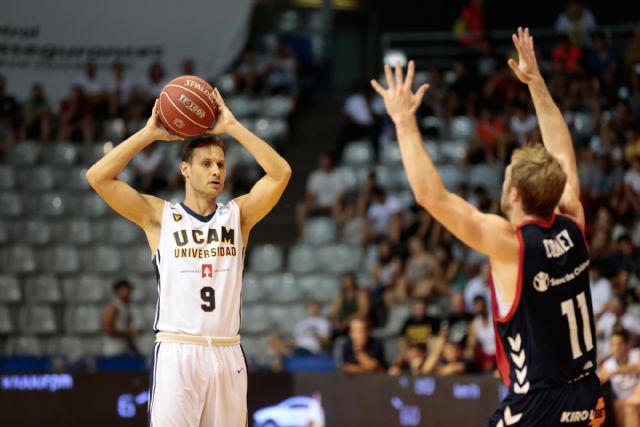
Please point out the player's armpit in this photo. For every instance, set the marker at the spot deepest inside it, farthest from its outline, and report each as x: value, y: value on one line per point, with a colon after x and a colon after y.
x: 259, y: 201
x: 140, y: 209
x: 489, y: 234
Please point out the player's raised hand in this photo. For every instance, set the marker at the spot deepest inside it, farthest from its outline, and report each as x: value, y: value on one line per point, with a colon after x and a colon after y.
x: 157, y: 130
x: 225, y: 116
x: 526, y: 69
x: 399, y: 99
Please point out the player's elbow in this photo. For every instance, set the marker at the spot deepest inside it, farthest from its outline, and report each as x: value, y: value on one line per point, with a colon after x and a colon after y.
x: 91, y: 177
x: 286, y: 172
x: 429, y: 199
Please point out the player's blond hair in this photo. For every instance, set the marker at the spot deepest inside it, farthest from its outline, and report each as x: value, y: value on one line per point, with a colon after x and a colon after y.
x: 539, y: 178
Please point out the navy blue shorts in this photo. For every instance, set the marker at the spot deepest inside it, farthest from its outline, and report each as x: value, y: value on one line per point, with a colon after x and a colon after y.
x: 573, y: 405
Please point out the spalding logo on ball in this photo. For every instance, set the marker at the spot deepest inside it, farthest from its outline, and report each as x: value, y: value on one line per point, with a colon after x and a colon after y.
x: 187, y: 107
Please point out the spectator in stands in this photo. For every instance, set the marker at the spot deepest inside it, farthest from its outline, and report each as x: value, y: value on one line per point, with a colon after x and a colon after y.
x: 362, y: 354
x: 118, y: 88
x: 469, y: 26
x: 76, y: 117
x: 419, y: 328
x: 249, y: 74
x: 36, y: 116
x: 447, y: 358
x: 362, y: 114
x: 632, y: 185
x: 282, y: 71
x: 601, y: 57
x: 380, y: 212
x: 349, y: 303
x: 492, y: 133
x: 601, y: 290
x: 325, y: 193
x: 9, y: 115
x: 116, y: 322
x: 523, y: 122
x: 622, y: 370
x: 459, y: 319
x: 565, y: 56
x: 410, y: 361
x: 155, y: 81
x: 481, y: 342
x: 312, y: 334
x: 614, y: 315
x: 478, y: 285
x: 148, y: 177
x: 188, y: 67
x: 577, y: 22
x: 388, y: 266
x: 93, y: 88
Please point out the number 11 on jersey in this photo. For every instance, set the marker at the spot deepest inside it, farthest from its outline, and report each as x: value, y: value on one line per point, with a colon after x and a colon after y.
x: 568, y: 309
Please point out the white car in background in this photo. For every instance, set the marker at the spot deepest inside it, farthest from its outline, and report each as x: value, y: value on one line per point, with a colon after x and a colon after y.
x: 299, y: 411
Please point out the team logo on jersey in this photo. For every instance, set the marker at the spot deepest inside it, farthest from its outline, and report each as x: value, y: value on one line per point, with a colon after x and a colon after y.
x: 177, y: 217
x: 207, y: 270
x: 541, y: 281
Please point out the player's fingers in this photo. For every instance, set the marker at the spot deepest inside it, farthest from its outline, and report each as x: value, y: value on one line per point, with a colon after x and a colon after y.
x: 387, y: 73
x: 376, y: 86
x: 154, y: 111
x: 398, y: 74
x: 411, y: 69
x: 420, y: 94
x: 513, y: 65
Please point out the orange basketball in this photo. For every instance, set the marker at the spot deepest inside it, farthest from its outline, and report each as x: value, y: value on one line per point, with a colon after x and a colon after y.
x: 187, y: 107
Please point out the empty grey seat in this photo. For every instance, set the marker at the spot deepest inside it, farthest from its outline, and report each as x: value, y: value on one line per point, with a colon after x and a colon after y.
x: 82, y: 319
x: 50, y: 204
x: 138, y: 260
x: 242, y: 106
x: 432, y: 123
x: 385, y: 177
x: 23, y: 346
x: 25, y: 153
x: 83, y: 288
x: 255, y: 319
x: 62, y: 259
x: 18, y: 259
x: 75, y: 179
x: 353, y: 231
x: 63, y: 154
x: 281, y: 287
x: 10, y: 291
x: 6, y: 324
x: 338, y: 258
x: 486, y: 176
x: 36, y: 232
x: 358, y: 153
x: 462, y: 127
x: 37, y: 319
x: 302, y: 258
x: 7, y: 178
x: 350, y: 178
x: 70, y: 347
x: 43, y: 289
x: 93, y: 206
x: 266, y: 258
x: 281, y: 317
x: 454, y: 151
x: 40, y: 178
x: 122, y: 231
x: 6, y: 232
x: 76, y: 231
x: 114, y: 129
x: 103, y: 259
x: 252, y: 289
x: 277, y: 106
x: 318, y: 231
x: 10, y: 204
x: 390, y: 155
x: 144, y: 343
x: 451, y: 176
x: 92, y: 153
x: 322, y: 287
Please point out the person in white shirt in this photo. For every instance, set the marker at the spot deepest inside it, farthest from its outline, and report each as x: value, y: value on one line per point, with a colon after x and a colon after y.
x: 601, y: 290
x: 380, y: 213
x: 146, y: 167
x: 325, y: 193
x: 118, y: 89
x: 622, y: 370
x: 312, y: 334
x: 612, y: 315
x: 478, y: 285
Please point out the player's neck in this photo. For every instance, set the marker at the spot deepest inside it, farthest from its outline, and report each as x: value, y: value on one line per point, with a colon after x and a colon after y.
x: 518, y: 216
x: 201, y: 205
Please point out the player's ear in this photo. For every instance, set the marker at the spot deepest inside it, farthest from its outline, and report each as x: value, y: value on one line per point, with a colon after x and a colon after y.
x: 514, y: 194
x: 185, y: 169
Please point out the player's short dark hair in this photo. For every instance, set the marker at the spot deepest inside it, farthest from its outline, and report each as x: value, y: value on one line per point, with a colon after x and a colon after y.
x: 121, y: 284
x: 619, y: 330
x: 200, y: 141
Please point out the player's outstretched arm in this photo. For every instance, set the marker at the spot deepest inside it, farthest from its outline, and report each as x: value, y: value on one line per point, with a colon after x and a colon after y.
x: 267, y: 191
x: 488, y: 234
x: 139, y: 208
x: 555, y: 133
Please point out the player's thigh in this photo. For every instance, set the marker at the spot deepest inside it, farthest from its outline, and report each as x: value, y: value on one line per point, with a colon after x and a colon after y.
x: 177, y: 387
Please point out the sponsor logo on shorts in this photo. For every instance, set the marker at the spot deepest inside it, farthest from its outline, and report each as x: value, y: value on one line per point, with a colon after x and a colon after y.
x: 597, y: 415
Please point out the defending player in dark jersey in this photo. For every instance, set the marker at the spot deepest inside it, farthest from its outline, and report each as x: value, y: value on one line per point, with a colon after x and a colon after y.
x: 539, y: 258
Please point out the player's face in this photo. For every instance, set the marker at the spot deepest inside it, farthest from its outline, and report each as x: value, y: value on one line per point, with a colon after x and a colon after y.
x: 207, y: 171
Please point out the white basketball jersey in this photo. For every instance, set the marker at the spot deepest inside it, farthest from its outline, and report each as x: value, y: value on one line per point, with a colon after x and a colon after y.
x: 199, y: 266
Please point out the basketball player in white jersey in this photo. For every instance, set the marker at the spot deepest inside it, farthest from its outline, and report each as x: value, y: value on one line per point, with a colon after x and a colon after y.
x: 199, y: 377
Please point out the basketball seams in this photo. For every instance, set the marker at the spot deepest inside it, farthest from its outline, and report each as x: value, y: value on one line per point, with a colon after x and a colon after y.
x: 195, y: 93
x: 165, y: 121
x: 181, y: 112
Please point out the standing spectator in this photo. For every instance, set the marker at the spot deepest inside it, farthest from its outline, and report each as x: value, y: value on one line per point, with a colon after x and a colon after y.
x: 349, y: 303
x: 577, y: 22
x: 312, y: 334
x: 325, y: 193
x: 249, y: 74
x: 614, y: 315
x: 362, y: 354
x: 36, y: 116
x: 118, y: 88
x: 116, y: 322
x: 9, y: 110
x: 76, y: 117
x: 481, y: 344
x: 147, y: 170
x: 601, y: 290
x: 622, y: 370
x: 478, y: 285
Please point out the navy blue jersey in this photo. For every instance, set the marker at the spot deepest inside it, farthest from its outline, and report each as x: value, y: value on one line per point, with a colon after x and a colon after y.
x: 548, y: 337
